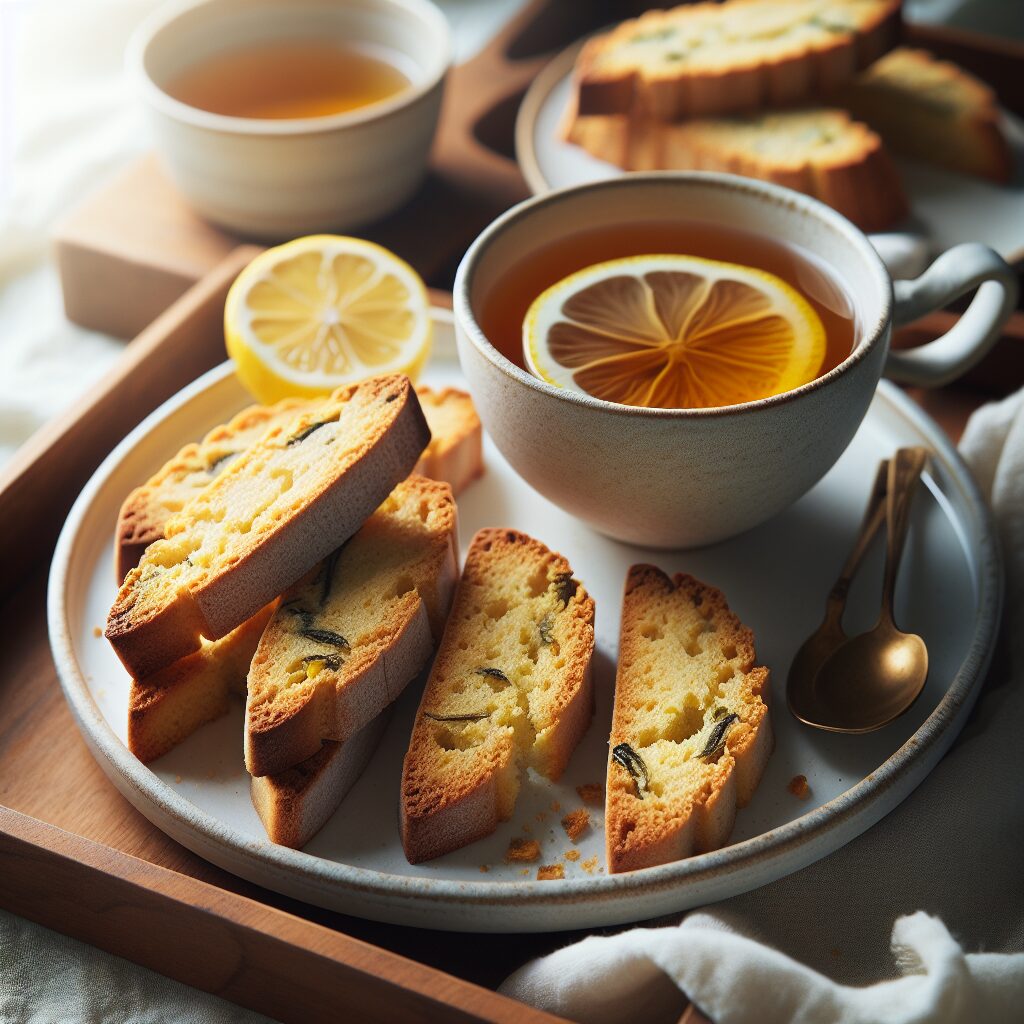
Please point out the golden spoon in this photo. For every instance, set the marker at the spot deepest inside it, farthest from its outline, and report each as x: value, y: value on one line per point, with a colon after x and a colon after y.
x: 875, y: 677
x: 829, y: 636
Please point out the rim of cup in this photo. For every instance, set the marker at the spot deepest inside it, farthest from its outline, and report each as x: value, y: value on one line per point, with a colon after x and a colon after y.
x: 148, y: 32
x: 867, y: 335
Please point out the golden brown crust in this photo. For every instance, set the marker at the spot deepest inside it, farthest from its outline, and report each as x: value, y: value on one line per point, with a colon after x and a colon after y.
x: 686, y: 666
x: 387, y: 597
x: 455, y: 452
x: 511, y: 685
x: 167, y: 707
x: 295, y: 804
x: 279, y: 508
x: 932, y: 110
x: 762, y: 54
x: 817, y: 151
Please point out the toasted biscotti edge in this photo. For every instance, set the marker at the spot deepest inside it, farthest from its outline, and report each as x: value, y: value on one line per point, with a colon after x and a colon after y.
x: 166, y: 708
x: 456, y: 820
x: 455, y: 457
x: 966, y: 135
x: 706, y: 822
x: 283, y: 734
x: 333, y: 515
x: 298, y: 736
x: 860, y: 182
x: 222, y: 599
x: 678, y: 92
x: 295, y: 804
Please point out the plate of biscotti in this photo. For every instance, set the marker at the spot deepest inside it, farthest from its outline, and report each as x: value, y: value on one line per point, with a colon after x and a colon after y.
x: 822, y: 98
x: 407, y: 711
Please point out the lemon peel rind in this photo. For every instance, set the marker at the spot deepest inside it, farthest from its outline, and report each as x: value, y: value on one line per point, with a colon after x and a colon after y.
x: 784, y: 299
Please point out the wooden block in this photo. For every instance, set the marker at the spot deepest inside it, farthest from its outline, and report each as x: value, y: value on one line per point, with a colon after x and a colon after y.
x: 131, y: 249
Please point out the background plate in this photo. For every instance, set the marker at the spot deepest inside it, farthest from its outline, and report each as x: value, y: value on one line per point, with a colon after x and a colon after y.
x: 946, y: 208
x: 775, y: 576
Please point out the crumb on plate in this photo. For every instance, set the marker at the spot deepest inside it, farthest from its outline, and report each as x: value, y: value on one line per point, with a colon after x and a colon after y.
x: 575, y: 823
x: 572, y: 854
x: 523, y: 850
x: 589, y: 865
x: 798, y: 787
x: 555, y: 806
x: 97, y: 632
x: 591, y: 793
x: 547, y: 872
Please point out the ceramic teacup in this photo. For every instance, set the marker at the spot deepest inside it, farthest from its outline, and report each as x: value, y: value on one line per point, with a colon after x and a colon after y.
x: 687, y: 477
x: 279, y: 178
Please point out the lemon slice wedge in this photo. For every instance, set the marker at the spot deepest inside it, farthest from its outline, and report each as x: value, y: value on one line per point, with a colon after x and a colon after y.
x: 673, y: 332
x: 305, y: 317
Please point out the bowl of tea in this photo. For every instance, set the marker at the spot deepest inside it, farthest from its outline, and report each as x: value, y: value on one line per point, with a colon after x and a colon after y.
x: 284, y: 117
x: 675, y: 357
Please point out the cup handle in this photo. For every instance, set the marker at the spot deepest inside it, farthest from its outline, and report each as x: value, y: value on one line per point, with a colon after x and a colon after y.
x: 956, y: 271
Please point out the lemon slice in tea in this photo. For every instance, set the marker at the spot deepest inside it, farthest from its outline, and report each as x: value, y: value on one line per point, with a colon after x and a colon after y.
x: 673, y: 332
x: 318, y: 312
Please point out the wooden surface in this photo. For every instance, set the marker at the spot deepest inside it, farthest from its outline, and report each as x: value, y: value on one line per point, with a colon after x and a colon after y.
x: 227, y: 944
x: 86, y: 861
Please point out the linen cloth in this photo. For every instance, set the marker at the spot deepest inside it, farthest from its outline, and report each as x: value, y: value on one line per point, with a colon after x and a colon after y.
x: 67, y: 121
x: 928, y: 904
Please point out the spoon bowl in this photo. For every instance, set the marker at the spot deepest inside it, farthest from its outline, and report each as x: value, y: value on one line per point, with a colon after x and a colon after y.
x: 870, y: 680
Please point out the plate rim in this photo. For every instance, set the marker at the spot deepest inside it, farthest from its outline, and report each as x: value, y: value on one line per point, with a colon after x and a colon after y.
x: 550, y: 76
x: 852, y: 812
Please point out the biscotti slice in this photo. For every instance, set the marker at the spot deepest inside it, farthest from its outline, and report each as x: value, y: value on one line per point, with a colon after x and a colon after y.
x: 455, y: 452
x: 690, y: 728
x: 167, y: 707
x: 703, y: 60
x: 454, y: 455
x: 279, y: 508
x: 295, y: 804
x: 145, y: 511
x: 355, y: 631
x: 510, y: 688
x: 820, y: 152
x: 933, y: 111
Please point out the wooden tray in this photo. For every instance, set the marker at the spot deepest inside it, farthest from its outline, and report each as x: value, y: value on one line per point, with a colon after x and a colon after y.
x: 76, y: 856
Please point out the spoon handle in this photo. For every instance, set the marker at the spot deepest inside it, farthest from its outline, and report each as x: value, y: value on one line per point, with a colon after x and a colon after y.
x: 874, y: 516
x: 904, y: 472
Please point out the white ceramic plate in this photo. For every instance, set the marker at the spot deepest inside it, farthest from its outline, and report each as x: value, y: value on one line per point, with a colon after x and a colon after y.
x: 946, y: 208
x: 775, y: 576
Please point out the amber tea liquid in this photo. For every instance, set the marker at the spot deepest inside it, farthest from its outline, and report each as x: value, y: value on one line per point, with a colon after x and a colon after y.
x: 280, y: 80
x: 501, y: 312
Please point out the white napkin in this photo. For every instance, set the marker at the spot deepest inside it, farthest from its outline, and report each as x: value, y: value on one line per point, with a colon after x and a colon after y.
x: 954, y: 848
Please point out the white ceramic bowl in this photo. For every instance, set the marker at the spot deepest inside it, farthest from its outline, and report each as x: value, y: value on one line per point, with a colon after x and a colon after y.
x: 687, y: 477
x: 279, y: 178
